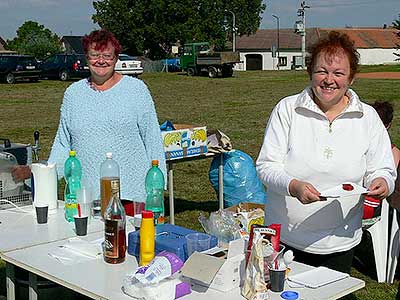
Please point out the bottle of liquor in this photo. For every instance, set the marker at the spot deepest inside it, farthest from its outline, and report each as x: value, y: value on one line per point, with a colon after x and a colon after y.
x: 147, y: 238
x: 154, y: 189
x: 115, y: 232
x: 72, y: 176
x: 109, y: 181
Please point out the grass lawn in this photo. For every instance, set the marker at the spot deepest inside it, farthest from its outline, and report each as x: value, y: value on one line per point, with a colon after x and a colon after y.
x: 238, y: 106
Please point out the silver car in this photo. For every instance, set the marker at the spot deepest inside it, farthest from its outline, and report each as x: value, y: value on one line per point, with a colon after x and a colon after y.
x: 128, y: 65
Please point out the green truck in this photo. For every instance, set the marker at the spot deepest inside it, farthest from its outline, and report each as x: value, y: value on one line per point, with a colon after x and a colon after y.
x: 197, y: 59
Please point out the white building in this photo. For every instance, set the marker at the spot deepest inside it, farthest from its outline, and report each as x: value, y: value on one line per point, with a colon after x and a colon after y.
x: 375, y: 45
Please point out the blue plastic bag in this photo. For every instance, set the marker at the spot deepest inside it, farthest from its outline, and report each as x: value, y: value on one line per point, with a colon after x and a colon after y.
x: 241, y: 183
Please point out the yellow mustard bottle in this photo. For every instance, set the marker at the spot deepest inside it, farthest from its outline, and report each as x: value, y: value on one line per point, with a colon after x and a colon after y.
x: 147, y: 238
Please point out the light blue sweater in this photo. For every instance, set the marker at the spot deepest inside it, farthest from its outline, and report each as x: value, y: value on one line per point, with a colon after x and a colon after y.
x: 121, y: 120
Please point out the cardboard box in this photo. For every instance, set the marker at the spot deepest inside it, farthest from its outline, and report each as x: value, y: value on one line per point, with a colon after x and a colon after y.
x: 217, y: 273
x: 185, y: 142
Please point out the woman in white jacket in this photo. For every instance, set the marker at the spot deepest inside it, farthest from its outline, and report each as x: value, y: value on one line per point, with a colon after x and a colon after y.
x: 319, y: 139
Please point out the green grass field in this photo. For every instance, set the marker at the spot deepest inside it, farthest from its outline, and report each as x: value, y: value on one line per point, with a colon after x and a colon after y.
x: 238, y: 106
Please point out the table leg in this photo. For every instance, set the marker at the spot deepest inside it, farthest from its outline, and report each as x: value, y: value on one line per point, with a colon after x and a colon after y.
x: 10, y: 281
x: 171, y: 194
x: 221, y: 181
x: 33, y: 290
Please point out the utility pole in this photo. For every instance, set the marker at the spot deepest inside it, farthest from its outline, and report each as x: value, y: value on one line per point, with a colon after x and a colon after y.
x: 233, y: 30
x: 302, y: 31
x: 277, y: 29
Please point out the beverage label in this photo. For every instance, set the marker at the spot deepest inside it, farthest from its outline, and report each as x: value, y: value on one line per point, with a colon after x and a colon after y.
x: 115, y: 187
x: 111, y: 239
x: 158, y: 218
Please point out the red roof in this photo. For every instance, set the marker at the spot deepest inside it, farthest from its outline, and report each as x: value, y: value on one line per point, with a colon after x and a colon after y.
x: 363, y: 38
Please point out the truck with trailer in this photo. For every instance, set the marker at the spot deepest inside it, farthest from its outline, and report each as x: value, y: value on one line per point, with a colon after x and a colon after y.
x: 198, y: 58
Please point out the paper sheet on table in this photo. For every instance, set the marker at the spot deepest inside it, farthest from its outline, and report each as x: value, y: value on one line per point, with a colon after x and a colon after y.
x: 316, y: 277
x: 338, y: 191
x: 76, y: 250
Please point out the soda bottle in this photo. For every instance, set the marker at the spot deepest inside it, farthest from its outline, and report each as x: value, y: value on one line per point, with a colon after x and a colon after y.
x: 115, y: 233
x: 72, y: 176
x: 154, y: 189
x: 147, y: 238
x: 109, y: 181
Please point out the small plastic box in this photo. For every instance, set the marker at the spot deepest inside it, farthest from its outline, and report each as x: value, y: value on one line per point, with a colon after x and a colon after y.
x: 169, y: 237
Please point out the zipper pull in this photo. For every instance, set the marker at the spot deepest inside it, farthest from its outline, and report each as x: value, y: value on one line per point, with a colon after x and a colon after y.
x: 330, y: 127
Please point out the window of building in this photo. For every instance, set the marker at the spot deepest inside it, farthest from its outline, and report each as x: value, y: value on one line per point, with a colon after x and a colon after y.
x: 283, y: 61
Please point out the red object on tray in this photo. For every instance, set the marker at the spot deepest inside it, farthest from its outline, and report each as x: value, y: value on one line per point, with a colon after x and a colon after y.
x: 347, y: 187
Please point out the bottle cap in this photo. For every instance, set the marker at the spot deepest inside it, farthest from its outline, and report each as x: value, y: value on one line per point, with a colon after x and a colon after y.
x: 154, y: 162
x: 109, y: 155
x: 290, y: 295
x: 147, y: 214
x: 72, y: 153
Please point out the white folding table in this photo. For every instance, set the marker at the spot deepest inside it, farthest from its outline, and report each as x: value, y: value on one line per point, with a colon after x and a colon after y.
x: 99, y: 280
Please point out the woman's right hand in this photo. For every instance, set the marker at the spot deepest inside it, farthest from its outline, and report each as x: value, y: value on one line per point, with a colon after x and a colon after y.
x: 304, y: 191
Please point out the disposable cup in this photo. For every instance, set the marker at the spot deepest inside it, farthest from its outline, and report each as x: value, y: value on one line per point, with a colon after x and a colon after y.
x: 81, y: 225
x: 96, y: 209
x: 277, y: 280
x: 41, y: 214
x: 197, y: 242
x: 85, y: 199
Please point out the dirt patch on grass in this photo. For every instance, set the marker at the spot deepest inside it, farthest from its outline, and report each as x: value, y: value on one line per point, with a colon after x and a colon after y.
x: 380, y: 75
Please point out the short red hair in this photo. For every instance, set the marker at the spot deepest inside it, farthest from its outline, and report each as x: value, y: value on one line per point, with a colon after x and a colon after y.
x: 333, y: 44
x: 101, y: 38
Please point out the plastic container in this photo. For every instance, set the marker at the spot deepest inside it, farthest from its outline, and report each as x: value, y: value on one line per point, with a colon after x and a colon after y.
x: 73, y: 176
x: 147, y: 238
x: 169, y: 238
x: 154, y: 189
x: 109, y: 181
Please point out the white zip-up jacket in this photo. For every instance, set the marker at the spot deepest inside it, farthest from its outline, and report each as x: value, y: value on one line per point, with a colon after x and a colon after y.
x: 301, y: 143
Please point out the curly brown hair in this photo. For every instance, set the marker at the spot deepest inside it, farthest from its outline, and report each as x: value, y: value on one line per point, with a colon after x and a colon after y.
x: 334, y: 43
x: 385, y: 111
x: 101, y: 38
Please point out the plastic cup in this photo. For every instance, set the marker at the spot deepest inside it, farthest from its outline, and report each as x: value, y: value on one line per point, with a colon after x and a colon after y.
x: 197, y: 242
x: 96, y: 209
x: 277, y: 280
x: 41, y: 214
x: 85, y: 199
x: 81, y: 225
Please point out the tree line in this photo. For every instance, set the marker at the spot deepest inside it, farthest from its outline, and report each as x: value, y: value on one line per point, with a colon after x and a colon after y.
x: 152, y: 27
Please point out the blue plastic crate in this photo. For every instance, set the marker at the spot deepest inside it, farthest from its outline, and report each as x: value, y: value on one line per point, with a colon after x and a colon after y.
x: 169, y: 237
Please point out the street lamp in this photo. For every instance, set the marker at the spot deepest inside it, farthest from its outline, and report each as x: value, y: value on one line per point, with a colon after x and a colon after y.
x: 233, y: 30
x: 277, y: 30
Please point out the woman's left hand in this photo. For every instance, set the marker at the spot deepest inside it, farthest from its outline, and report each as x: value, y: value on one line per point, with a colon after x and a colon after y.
x: 378, y: 188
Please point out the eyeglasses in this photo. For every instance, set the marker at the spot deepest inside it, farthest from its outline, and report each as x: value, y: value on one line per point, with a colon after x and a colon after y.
x: 97, y: 56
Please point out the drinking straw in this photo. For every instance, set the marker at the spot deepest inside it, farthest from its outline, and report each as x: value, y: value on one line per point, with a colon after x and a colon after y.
x: 79, y: 210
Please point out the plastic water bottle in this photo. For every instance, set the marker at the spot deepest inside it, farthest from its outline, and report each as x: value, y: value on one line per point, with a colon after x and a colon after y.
x: 154, y: 189
x: 72, y: 176
x: 147, y: 238
x: 109, y: 181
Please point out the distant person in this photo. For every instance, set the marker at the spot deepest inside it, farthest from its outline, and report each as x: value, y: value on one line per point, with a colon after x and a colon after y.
x: 372, y: 206
x: 319, y: 139
x: 108, y: 112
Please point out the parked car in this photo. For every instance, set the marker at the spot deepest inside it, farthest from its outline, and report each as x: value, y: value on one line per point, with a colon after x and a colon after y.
x: 128, y: 65
x: 65, y: 66
x: 15, y: 67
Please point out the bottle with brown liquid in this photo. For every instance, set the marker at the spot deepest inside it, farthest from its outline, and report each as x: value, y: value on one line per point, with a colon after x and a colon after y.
x: 109, y: 181
x: 115, y: 232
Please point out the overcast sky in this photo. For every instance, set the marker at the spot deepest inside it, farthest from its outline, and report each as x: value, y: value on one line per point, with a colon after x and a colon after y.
x: 66, y: 17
